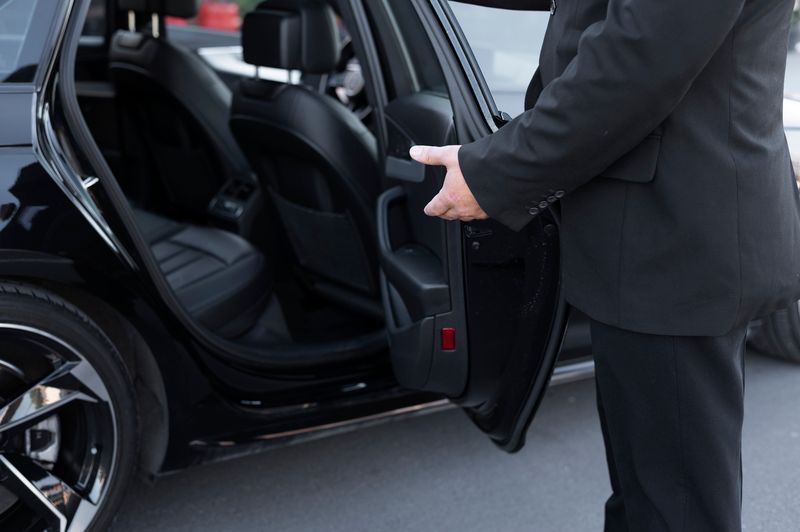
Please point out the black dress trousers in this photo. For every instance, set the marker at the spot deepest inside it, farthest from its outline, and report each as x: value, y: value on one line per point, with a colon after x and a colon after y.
x: 671, y: 411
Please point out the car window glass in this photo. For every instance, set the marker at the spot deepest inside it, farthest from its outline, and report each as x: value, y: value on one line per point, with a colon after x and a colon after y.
x: 509, y: 57
x: 95, y: 27
x: 24, y: 28
x: 420, y: 50
x: 214, y: 34
x: 407, y: 57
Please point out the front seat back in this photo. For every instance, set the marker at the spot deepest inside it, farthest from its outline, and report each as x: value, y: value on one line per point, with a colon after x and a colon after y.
x: 316, y: 158
x: 174, y: 111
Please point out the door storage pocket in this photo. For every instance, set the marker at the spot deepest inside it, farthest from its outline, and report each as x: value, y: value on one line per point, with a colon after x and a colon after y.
x: 326, y: 243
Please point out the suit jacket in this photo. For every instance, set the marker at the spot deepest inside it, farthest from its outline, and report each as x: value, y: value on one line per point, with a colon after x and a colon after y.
x: 657, y: 125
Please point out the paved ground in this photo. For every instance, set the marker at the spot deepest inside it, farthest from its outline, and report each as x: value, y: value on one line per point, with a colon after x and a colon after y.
x: 437, y: 473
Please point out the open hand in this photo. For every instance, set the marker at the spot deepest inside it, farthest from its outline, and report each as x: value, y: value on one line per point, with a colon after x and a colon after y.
x: 455, y: 200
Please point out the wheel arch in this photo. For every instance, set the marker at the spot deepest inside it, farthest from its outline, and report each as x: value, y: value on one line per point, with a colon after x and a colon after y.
x: 28, y: 264
x: 149, y: 386
x: 60, y: 276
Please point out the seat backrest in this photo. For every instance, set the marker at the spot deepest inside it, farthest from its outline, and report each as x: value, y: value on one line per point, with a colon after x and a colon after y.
x: 316, y: 157
x: 174, y: 111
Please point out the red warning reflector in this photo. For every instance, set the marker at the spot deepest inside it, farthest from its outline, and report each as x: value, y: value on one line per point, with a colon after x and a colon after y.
x: 448, y: 338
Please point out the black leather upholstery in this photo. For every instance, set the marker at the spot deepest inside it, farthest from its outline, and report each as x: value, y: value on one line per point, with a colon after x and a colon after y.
x: 174, y: 112
x: 174, y: 8
x: 317, y: 159
x: 218, y: 276
x: 291, y: 34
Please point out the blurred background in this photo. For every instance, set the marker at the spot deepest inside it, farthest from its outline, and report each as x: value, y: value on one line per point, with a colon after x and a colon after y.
x: 507, y: 58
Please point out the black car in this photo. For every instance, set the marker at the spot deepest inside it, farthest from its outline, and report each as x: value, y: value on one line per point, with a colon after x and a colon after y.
x: 209, y: 248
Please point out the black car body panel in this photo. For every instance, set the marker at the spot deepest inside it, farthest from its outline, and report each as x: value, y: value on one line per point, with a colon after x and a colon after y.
x: 62, y: 227
x: 45, y: 239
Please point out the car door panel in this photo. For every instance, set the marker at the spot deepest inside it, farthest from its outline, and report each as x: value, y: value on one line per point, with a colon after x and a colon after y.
x: 495, y: 289
x: 474, y: 310
x: 414, y: 251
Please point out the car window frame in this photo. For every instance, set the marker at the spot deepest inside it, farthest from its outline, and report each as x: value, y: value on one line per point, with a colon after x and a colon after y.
x: 58, y: 13
x: 398, y: 74
x: 465, y: 56
x: 101, y: 40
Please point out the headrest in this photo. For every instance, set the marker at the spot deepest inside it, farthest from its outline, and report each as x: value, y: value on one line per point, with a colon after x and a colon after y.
x: 134, y: 5
x: 172, y: 8
x: 292, y: 35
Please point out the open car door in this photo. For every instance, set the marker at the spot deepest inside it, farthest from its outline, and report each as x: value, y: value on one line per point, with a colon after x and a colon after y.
x: 473, y: 310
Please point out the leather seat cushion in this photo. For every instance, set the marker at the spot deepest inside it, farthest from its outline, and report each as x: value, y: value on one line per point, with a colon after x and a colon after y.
x: 220, y: 278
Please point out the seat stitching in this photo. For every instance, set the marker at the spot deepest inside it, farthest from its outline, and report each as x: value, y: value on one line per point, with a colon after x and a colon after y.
x: 186, y: 264
x: 209, y: 253
x: 171, y: 255
x: 221, y: 297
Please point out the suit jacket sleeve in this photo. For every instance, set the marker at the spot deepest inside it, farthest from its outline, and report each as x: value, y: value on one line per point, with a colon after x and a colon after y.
x: 630, y: 71
x: 521, y: 5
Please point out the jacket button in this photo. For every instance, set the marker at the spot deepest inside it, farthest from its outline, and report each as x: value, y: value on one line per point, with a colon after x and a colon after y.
x: 533, y: 211
x: 551, y: 199
x: 559, y: 194
x: 543, y: 205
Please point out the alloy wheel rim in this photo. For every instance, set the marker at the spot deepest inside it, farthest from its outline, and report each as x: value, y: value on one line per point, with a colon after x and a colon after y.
x: 58, y: 433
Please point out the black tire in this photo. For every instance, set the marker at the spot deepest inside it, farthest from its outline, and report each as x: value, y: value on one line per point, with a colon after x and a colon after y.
x: 95, y: 408
x: 778, y: 335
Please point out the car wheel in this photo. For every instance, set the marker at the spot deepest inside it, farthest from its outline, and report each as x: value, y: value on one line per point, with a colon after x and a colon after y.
x: 67, y: 416
x: 778, y: 334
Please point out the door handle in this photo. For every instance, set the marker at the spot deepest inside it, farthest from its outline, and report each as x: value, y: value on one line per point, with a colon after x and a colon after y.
x: 382, y: 215
x: 405, y: 169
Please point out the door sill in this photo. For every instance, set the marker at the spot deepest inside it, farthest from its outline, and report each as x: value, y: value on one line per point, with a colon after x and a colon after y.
x: 572, y: 372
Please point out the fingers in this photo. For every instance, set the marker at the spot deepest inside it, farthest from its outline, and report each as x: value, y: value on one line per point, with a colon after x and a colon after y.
x: 432, y: 155
x: 437, y: 206
x: 454, y: 201
x: 426, y: 154
x: 440, y: 207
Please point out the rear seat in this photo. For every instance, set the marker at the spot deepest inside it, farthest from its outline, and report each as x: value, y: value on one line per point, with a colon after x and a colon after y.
x: 218, y: 276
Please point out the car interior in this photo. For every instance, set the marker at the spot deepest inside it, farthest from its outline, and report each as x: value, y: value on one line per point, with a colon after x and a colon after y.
x: 256, y: 195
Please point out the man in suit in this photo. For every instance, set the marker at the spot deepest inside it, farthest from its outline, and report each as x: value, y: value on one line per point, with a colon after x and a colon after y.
x: 656, y: 126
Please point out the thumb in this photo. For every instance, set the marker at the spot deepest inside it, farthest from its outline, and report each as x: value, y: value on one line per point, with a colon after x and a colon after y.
x: 437, y: 206
x: 431, y: 155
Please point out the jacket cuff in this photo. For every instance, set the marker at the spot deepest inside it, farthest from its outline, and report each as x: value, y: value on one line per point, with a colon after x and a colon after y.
x: 489, y: 191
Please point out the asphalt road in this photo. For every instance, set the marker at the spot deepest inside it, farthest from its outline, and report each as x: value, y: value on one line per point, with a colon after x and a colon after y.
x: 436, y: 473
